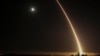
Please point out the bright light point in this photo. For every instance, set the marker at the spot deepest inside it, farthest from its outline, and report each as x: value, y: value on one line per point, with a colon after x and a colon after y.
x: 32, y: 9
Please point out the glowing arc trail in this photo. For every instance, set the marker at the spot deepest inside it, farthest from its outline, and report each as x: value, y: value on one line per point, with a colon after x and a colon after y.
x: 73, y: 30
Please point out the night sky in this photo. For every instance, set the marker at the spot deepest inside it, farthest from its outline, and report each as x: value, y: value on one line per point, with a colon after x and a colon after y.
x: 46, y: 28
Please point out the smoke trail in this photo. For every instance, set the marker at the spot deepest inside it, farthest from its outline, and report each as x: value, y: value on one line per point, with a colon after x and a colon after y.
x: 73, y: 30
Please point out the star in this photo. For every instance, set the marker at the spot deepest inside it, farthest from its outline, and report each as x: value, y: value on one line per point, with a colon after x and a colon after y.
x: 32, y: 9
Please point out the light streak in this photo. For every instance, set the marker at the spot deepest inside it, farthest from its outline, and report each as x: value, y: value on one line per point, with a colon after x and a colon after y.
x: 73, y: 30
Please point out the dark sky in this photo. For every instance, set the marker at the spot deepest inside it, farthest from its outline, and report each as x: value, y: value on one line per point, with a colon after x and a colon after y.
x: 46, y: 29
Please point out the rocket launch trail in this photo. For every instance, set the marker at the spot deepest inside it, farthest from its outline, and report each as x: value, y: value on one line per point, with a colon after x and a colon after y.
x: 73, y: 30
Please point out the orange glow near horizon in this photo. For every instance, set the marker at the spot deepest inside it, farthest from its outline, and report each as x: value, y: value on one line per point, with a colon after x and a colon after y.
x: 73, y: 30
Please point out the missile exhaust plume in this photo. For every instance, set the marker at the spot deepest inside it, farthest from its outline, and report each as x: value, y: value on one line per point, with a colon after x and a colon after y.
x: 73, y: 30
